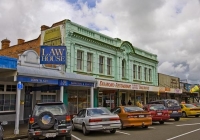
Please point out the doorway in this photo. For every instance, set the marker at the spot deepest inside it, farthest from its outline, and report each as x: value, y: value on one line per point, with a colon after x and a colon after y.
x: 27, y: 106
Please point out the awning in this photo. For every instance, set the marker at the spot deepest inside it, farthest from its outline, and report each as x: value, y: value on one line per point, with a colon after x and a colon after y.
x: 53, y: 74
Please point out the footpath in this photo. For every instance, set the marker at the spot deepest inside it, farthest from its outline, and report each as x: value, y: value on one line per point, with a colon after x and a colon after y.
x: 9, y: 132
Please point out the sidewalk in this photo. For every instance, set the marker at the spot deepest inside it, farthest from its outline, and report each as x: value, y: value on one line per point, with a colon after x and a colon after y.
x: 9, y: 132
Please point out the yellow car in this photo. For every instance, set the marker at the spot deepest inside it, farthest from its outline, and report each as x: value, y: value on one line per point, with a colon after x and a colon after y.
x: 190, y: 110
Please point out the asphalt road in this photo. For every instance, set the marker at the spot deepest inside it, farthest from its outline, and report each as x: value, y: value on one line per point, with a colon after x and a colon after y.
x: 185, y: 129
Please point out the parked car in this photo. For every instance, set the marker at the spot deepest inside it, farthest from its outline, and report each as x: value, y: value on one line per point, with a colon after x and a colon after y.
x: 131, y: 116
x: 173, y: 107
x: 158, y: 112
x: 196, y: 104
x: 49, y: 120
x: 1, y: 129
x: 95, y: 119
x: 190, y: 110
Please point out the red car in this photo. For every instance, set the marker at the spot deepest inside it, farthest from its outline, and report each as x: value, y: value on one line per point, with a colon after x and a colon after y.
x: 158, y: 112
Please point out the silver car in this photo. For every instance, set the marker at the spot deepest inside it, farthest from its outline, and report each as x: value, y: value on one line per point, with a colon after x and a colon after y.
x: 95, y: 119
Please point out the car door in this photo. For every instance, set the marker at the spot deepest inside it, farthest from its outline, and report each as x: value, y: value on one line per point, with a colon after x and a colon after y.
x: 80, y: 118
x: 76, y: 119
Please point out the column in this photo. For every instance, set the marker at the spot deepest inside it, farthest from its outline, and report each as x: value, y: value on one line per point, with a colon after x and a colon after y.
x: 61, y: 93
x: 134, y: 97
x: 92, y: 97
x: 145, y: 98
x: 16, y: 131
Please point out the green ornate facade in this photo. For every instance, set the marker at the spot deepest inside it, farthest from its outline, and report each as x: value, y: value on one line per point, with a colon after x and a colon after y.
x: 124, y: 57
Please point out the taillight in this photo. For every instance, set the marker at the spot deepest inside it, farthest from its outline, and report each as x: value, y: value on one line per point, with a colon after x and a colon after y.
x: 114, y: 119
x: 68, y: 118
x: 179, y: 110
x: 132, y: 116
x: 31, y: 120
x: 95, y: 120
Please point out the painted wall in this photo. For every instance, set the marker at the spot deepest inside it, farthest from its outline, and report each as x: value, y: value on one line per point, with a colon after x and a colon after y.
x: 79, y: 38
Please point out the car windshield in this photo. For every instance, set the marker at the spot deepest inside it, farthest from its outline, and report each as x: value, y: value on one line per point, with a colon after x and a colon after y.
x: 171, y: 103
x: 97, y: 111
x: 132, y: 109
x: 189, y: 106
x: 157, y: 107
x: 58, y: 109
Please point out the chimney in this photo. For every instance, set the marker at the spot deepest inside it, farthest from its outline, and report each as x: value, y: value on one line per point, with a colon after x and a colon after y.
x: 44, y: 27
x: 5, y: 44
x: 20, y: 41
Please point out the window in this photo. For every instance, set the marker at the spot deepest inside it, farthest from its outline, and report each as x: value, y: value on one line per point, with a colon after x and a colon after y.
x: 1, y: 87
x: 150, y: 74
x: 123, y: 68
x: 139, y: 72
x: 7, y: 102
x: 11, y: 88
x: 109, y: 66
x: 101, y: 64
x: 48, y: 98
x: 89, y: 62
x: 134, y: 71
x: 79, y: 60
x: 145, y: 74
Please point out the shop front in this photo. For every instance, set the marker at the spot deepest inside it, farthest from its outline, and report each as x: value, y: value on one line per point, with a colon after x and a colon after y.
x: 78, y: 94
x: 112, y: 94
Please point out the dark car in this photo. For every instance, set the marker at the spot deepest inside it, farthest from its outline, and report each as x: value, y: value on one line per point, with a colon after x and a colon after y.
x: 1, y: 128
x: 173, y: 107
x: 49, y: 120
x: 159, y: 112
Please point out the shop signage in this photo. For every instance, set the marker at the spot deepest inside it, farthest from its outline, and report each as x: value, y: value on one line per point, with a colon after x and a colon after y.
x: 53, y: 55
x: 8, y: 63
x: 37, y: 80
x: 161, y: 89
x: 75, y: 83
x: 128, y: 86
x: 116, y: 85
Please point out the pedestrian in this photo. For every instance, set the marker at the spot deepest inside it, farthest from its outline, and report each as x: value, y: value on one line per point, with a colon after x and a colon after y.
x: 129, y: 102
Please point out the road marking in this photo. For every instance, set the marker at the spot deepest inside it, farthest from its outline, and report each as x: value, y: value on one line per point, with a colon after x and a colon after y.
x: 168, y: 123
x: 183, y: 134
x: 123, y: 132
x: 188, y: 124
x: 76, y: 137
x: 152, y: 127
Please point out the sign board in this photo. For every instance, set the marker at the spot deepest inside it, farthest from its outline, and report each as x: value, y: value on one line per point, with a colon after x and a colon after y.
x: 53, y: 36
x: 37, y: 80
x: 53, y: 55
x: 8, y: 63
x: 19, y: 85
x: 75, y: 83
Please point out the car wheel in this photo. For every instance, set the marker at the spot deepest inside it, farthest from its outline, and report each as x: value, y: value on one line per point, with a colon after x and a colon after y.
x: 46, y: 120
x: 122, y: 126
x: 161, y: 122
x: 197, y: 116
x: 184, y: 114
x: 113, y: 131
x: 177, y: 119
x: 85, y: 131
x: 146, y: 126
x: 73, y: 127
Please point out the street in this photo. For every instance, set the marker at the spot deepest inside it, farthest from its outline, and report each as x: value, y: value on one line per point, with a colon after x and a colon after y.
x: 185, y: 129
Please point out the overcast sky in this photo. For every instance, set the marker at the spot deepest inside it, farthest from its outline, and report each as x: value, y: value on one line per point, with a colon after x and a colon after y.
x: 168, y: 28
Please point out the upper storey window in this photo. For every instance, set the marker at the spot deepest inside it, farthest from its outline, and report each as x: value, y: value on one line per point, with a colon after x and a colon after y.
x: 139, y: 72
x: 101, y: 64
x: 89, y: 62
x: 123, y: 68
x: 109, y: 66
x: 79, y: 60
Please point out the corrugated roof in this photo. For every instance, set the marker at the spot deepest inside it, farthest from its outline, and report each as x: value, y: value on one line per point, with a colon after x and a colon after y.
x: 53, y: 74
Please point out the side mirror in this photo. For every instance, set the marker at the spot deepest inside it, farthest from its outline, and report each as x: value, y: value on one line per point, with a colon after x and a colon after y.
x: 4, y: 123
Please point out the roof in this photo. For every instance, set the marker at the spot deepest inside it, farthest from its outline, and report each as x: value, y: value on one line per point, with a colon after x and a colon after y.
x: 53, y: 74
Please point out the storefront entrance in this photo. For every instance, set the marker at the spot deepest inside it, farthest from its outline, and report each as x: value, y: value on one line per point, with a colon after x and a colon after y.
x: 107, y: 99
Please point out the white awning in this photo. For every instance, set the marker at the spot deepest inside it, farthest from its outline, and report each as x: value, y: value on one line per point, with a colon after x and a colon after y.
x: 53, y: 74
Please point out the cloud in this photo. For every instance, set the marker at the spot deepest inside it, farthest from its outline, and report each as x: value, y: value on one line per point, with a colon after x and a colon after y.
x: 168, y: 28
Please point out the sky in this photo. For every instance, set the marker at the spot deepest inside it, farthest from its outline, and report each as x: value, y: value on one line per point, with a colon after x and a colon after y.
x: 168, y: 28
